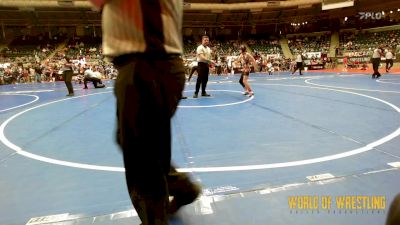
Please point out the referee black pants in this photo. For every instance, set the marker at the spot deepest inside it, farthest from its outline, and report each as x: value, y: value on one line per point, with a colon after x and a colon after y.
x: 375, y: 67
x: 148, y: 91
x: 389, y: 64
x: 202, y: 77
x: 67, y: 76
x: 299, y: 66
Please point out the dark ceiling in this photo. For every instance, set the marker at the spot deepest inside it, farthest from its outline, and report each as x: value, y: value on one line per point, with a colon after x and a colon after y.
x: 72, y: 16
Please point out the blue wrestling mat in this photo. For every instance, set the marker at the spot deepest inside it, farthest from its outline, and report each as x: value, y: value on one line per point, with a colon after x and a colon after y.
x: 311, y: 149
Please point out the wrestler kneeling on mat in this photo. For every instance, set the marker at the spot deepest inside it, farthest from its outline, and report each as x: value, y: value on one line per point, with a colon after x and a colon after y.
x: 94, y: 76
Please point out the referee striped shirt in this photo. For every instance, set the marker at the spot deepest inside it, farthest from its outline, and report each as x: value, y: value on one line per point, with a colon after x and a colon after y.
x: 201, y: 49
x: 377, y: 53
x: 389, y: 55
x: 142, y: 26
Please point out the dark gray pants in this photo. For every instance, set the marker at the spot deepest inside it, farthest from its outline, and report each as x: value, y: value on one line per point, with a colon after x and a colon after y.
x: 202, y: 77
x: 148, y: 91
x: 67, y: 76
x: 389, y: 64
x: 375, y: 67
x: 299, y: 66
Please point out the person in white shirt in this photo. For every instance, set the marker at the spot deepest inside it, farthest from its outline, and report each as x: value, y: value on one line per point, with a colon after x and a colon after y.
x: 376, y: 60
x: 389, y: 59
x: 94, y: 76
x: 299, y: 63
x: 270, y: 68
x: 67, y: 73
x: 204, y: 61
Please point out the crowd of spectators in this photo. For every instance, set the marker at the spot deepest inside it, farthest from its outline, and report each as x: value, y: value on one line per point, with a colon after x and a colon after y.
x: 357, y: 46
x: 20, y: 66
x: 36, y: 59
x: 363, y: 43
x: 320, y: 43
x: 265, y: 47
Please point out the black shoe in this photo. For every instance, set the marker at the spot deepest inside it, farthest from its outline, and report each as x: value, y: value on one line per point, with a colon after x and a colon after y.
x: 377, y: 77
x: 205, y: 94
x: 101, y: 86
x: 85, y: 88
x: 183, y: 97
x: 195, y: 95
x: 184, y: 198
x: 70, y: 95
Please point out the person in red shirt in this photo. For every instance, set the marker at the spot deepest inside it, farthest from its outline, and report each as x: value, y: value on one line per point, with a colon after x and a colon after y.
x: 345, y: 63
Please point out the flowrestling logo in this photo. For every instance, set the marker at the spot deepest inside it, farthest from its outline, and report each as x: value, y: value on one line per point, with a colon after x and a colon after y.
x: 370, y: 15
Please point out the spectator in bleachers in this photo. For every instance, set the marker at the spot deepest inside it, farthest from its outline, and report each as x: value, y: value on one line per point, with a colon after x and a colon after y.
x: 1, y: 76
x: 270, y: 69
x: 38, y: 72
x: 345, y: 63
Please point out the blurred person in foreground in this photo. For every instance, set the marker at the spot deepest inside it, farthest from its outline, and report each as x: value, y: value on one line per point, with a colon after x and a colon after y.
x: 393, y: 217
x: 143, y: 39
